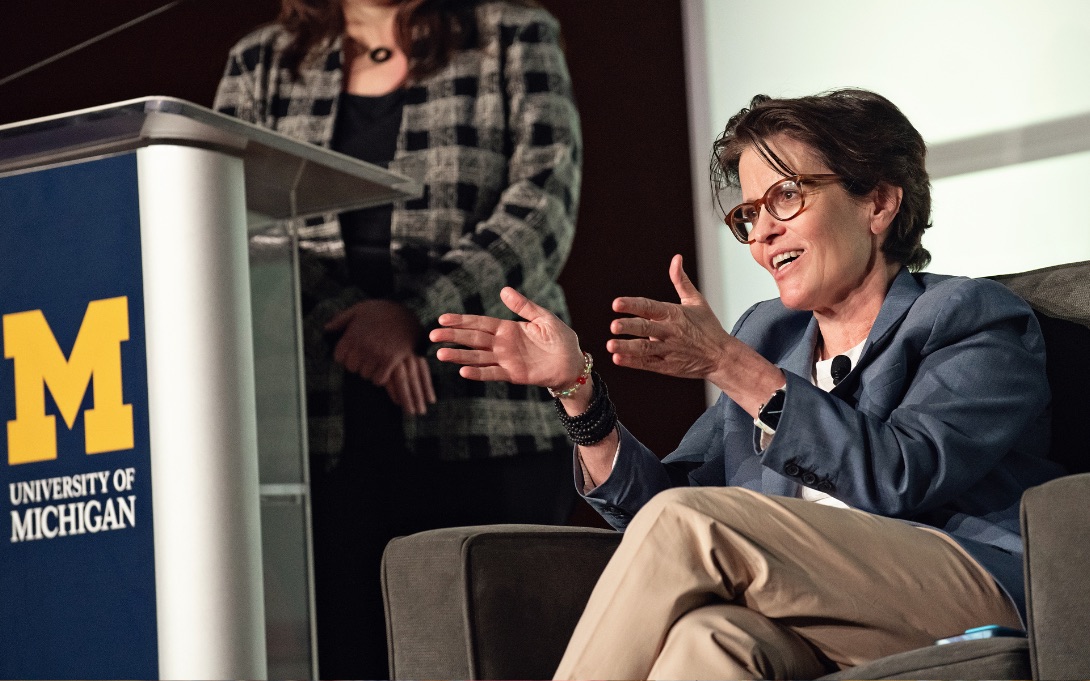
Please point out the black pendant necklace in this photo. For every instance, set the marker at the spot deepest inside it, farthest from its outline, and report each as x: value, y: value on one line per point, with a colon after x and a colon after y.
x: 380, y: 54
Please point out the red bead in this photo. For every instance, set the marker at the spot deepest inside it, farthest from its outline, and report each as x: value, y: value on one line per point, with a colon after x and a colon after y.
x: 582, y: 380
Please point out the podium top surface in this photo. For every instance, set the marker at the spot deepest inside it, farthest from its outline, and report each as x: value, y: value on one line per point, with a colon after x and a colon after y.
x: 284, y: 178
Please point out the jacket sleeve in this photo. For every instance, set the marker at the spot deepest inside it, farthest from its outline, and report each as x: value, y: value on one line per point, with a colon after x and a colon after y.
x: 957, y: 398
x: 638, y: 474
x: 526, y: 239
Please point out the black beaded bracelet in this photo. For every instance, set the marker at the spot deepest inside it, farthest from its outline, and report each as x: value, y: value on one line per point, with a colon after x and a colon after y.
x: 599, y: 400
x: 594, y: 424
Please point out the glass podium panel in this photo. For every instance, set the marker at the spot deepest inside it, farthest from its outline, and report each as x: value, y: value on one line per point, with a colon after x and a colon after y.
x: 282, y: 455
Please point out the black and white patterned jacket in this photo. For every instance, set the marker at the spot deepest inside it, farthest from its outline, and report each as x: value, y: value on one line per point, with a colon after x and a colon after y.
x: 494, y: 138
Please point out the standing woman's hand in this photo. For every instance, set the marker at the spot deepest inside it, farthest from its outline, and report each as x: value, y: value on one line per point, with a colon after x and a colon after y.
x: 541, y: 351
x: 410, y: 386
x: 377, y: 336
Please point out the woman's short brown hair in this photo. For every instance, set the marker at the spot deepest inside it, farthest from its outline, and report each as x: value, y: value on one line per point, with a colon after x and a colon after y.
x: 859, y: 135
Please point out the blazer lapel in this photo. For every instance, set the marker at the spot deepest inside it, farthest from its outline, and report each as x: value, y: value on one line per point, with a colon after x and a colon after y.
x: 799, y: 360
x: 903, y: 292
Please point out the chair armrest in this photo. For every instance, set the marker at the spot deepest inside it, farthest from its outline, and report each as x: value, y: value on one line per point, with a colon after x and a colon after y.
x: 1056, y: 533
x: 989, y: 658
x: 488, y: 602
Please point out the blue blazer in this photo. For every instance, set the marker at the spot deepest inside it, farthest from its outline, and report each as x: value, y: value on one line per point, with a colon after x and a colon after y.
x: 944, y: 421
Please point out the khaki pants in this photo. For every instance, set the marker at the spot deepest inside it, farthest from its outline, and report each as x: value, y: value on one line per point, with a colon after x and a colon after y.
x: 725, y: 583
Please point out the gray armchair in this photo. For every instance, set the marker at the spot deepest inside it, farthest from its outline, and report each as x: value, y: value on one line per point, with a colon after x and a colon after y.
x: 499, y: 602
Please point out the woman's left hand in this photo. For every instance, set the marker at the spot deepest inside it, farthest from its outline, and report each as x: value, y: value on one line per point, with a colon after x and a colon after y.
x: 684, y: 340
x: 377, y: 336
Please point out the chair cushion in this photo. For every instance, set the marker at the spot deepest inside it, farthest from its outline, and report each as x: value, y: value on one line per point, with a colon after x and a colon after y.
x: 1060, y: 291
x: 1060, y: 296
x: 993, y: 658
x: 488, y: 602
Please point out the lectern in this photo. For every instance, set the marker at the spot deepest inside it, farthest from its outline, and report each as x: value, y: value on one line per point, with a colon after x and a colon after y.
x: 153, y: 454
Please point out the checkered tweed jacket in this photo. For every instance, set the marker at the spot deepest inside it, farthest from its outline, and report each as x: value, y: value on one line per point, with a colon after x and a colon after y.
x: 494, y: 138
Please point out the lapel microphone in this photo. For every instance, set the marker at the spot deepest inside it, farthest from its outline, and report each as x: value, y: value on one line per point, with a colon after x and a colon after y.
x: 842, y: 364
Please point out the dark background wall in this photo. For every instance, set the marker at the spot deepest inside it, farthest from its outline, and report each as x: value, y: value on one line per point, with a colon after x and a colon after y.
x: 627, y: 65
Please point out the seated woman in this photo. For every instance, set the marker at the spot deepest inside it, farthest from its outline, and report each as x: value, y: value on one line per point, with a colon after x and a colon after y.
x: 854, y: 492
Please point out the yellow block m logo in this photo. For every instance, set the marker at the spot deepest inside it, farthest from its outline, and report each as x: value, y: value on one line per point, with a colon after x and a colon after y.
x: 40, y: 364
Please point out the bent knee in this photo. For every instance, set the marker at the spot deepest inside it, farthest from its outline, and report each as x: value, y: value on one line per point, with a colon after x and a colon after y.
x: 686, y: 500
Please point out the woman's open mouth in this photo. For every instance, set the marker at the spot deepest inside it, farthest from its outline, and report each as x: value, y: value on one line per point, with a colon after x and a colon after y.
x: 781, y: 260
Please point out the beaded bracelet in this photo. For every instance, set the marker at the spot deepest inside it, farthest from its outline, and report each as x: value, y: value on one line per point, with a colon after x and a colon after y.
x: 599, y: 398
x: 588, y: 365
x: 594, y: 424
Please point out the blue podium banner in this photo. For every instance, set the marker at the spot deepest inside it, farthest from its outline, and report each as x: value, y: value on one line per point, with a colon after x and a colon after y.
x: 77, y: 599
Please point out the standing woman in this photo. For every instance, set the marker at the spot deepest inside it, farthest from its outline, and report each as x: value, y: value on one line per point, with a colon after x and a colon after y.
x: 473, y: 99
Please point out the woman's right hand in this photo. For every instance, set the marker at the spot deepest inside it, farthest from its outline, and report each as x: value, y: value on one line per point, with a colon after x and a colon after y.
x: 541, y: 351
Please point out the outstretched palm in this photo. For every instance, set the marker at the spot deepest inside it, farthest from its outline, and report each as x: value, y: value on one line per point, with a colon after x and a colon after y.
x: 540, y: 351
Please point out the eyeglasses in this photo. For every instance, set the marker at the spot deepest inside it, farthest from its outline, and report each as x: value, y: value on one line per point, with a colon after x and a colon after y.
x: 783, y: 200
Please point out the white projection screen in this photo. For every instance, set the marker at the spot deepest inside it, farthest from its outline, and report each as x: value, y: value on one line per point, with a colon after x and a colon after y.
x: 997, y: 88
